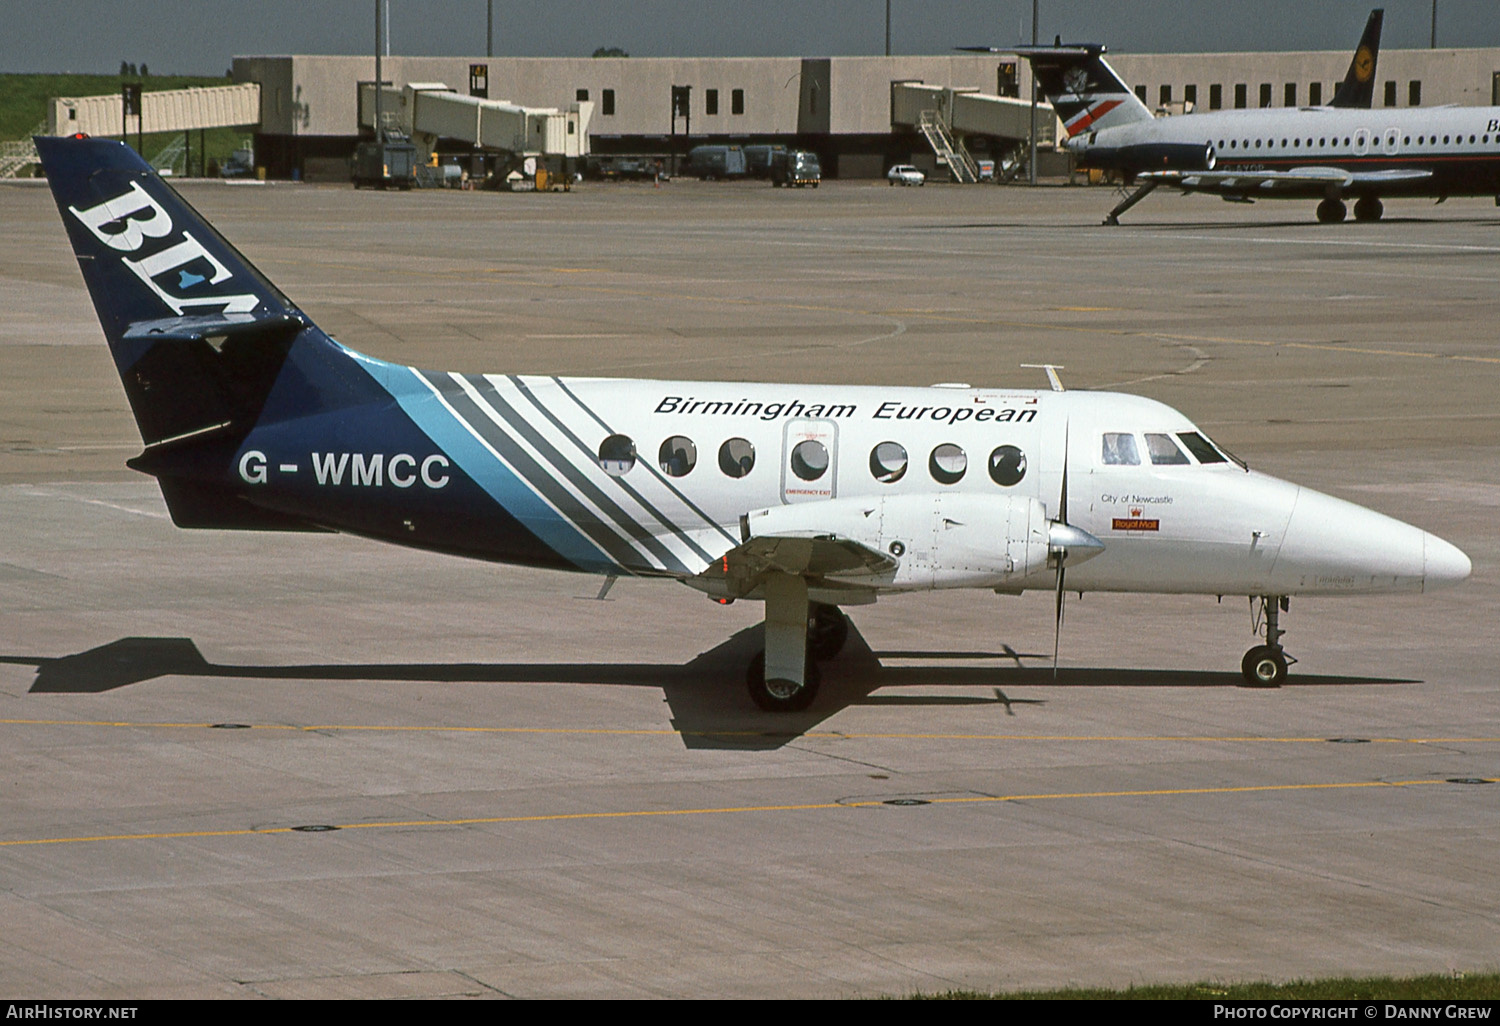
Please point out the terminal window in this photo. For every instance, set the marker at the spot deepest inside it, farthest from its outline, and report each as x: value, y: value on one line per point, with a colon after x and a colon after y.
x: 1414, y: 93
x: 1215, y: 97
x: 1315, y: 94
x: 1390, y: 94
x: 1290, y: 95
x: 710, y: 101
x: 1265, y: 94
x: 582, y: 96
x: 607, y: 103
x: 1140, y: 92
x: 1241, y: 96
x: 1190, y: 94
x: 1166, y: 96
x: 737, y: 101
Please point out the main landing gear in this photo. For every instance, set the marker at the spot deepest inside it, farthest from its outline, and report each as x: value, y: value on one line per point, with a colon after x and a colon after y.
x: 1331, y: 211
x: 799, y: 633
x: 1265, y: 666
x: 1368, y: 208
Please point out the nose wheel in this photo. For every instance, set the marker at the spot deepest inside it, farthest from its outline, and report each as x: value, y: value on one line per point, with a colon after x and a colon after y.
x: 1265, y: 666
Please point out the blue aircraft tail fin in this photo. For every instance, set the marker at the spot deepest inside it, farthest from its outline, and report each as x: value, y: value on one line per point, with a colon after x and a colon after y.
x: 198, y: 335
x: 1358, y: 87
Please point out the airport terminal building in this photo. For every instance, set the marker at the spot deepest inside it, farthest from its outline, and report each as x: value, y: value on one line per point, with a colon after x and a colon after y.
x: 855, y: 112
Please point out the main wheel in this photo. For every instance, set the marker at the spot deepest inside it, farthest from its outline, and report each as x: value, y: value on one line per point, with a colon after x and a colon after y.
x: 1264, y: 667
x: 781, y: 695
x: 827, y: 630
x: 1368, y: 208
x: 1331, y: 211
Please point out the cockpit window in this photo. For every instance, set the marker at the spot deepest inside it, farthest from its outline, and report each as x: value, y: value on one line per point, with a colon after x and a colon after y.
x: 1163, y: 450
x: 1120, y: 450
x: 1201, y: 447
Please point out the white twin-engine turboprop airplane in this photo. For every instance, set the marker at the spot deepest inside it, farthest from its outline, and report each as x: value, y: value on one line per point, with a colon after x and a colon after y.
x: 808, y: 497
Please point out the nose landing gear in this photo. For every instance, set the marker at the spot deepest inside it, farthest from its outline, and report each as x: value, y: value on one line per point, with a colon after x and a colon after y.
x: 1265, y: 666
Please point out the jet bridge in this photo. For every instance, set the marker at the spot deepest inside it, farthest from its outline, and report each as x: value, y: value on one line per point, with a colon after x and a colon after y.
x: 429, y: 111
x: 945, y: 116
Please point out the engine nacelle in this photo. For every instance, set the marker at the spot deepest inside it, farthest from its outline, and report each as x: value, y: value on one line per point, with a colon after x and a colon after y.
x: 939, y: 540
x: 1133, y: 159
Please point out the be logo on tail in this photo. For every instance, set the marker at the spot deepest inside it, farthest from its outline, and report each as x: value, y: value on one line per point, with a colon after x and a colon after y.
x: 132, y: 222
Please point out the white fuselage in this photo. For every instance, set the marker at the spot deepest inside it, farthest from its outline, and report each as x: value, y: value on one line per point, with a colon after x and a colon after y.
x: 908, y: 471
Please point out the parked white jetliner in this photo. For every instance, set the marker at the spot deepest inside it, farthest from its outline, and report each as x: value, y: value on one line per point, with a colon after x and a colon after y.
x: 1330, y: 154
x: 809, y: 497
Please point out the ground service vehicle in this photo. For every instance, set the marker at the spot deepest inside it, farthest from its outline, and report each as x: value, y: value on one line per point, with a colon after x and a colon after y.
x: 795, y: 168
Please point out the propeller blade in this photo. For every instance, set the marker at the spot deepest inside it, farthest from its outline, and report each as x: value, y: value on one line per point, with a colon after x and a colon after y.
x: 1062, y: 511
x: 1057, y: 629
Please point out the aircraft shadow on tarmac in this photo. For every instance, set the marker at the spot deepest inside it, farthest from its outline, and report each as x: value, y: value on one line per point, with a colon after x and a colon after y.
x: 1216, y: 226
x: 710, y: 705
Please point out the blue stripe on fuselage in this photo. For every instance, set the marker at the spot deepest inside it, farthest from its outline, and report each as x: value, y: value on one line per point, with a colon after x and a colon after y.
x: 471, y: 456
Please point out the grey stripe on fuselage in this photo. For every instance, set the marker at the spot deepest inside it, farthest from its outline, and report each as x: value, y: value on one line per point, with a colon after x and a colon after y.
x: 656, y: 473
x: 534, y: 475
x: 527, y: 431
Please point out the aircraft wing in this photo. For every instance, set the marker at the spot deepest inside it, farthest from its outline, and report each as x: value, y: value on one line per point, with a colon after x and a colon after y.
x: 1249, y: 184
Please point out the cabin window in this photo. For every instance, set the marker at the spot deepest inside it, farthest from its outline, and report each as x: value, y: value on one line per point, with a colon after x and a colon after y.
x: 1231, y: 144
x: 1201, y: 447
x: 617, y: 455
x: 809, y: 459
x: 1406, y: 141
x: 888, y: 462
x: 1163, y: 450
x: 736, y: 457
x: 1445, y: 140
x: 1007, y: 465
x: 947, y: 464
x: 677, y: 456
x: 1296, y: 143
x: 1120, y: 450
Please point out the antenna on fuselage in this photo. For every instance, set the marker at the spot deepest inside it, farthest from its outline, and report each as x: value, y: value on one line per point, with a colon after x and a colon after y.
x: 1051, y: 369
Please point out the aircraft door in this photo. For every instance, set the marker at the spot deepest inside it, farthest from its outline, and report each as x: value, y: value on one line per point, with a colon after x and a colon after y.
x: 1392, y: 141
x: 809, y: 460
x: 1361, y: 141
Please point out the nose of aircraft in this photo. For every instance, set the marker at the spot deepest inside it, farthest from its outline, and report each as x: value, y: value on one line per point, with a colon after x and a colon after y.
x: 1335, y: 546
x: 1443, y: 564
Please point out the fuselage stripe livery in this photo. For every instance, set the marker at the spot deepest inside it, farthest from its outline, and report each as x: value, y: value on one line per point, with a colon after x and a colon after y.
x: 484, y: 392
x: 477, y: 457
x: 461, y: 397
x: 689, y: 503
x: 588, y: 460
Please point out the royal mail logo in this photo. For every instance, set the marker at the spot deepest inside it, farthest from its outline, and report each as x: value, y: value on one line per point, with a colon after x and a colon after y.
x: 1135, y: 524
